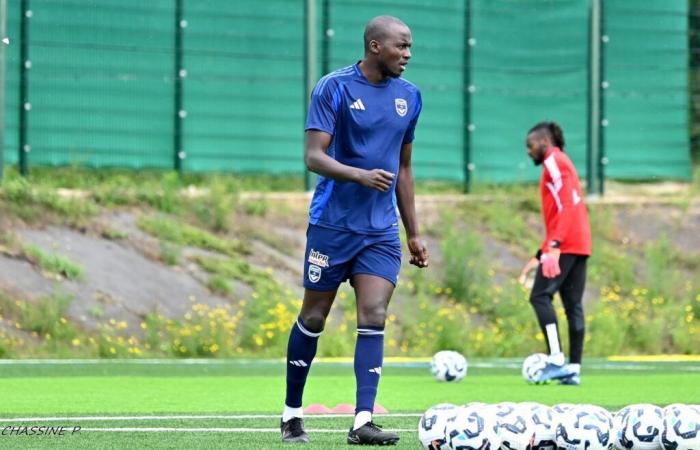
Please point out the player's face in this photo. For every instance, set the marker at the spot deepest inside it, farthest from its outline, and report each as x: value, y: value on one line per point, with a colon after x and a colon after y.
x: 536, y: 148
x: 395, y: 51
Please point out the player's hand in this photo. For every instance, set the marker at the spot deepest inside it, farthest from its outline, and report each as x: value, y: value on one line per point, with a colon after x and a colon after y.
x: 529, y: 267
x: 419, y: 252
x: 378, y: 179
x: 550, y: 264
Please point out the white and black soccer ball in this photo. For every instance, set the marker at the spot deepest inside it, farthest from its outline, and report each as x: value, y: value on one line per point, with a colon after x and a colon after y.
x: 530, y: 404
x: 545, y: 426
x: 503, y: 409
x: 516, y: 427
x: 681, y: 429
x: 448, y: 365
x: 585, y: 427
x: 561, y: 408
x: 431, y: 427
x: 473, y: 428
x: 638, y: 427
x: 533, y: 366
x: 475, y: 404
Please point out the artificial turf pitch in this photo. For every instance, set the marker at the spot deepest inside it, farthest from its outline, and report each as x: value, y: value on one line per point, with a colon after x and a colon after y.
x: 236, y: 404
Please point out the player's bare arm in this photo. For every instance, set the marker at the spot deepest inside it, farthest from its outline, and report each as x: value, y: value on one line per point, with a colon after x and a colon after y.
x: 405, y: 196
x: 317, y: 160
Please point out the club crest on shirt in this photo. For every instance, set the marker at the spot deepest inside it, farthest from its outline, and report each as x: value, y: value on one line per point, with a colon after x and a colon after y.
x: 314, y: 273
x: 401, y: 106
x: 318, y: 258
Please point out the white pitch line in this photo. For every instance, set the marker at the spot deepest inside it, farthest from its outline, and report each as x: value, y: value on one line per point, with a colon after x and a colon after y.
x: 182, y: 417
x: 145, y: 361
x: 218, y: 430
x: 691, y: 366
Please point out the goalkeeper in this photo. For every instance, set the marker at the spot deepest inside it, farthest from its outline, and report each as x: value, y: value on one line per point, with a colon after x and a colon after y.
x: 561, y: 259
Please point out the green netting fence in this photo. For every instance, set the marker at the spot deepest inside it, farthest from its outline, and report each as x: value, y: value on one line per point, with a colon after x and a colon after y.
x: 210, y: 85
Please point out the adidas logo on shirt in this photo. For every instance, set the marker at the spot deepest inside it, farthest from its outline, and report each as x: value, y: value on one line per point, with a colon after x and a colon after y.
x: 357, y: 104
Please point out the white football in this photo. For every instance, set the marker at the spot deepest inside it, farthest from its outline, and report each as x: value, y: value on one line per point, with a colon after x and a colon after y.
x: 638, y: 427
x: 516, y: 427
x: 533, y: 366
x: 681, y: 429
x: 473, y: 428
x: 545, y: 433
x: 561, y: 408
x: 584, y: 427
x: 475, y: 404
x: 431, y: 427
x: 530, y: 404
x: 503, y: 408
x: 448, y: 365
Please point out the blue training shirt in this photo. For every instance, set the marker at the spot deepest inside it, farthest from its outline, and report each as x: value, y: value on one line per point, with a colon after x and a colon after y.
x: 369, y: 123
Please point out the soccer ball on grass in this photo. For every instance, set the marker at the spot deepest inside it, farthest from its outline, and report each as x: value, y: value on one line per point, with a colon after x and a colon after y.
x: 448, y: 365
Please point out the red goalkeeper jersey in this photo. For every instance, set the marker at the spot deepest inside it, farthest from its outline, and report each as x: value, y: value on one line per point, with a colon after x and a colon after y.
x: 563, y: 208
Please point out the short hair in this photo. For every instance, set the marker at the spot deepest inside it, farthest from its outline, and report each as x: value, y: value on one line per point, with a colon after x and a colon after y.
x: 376, y: 29
x: 553, y: 132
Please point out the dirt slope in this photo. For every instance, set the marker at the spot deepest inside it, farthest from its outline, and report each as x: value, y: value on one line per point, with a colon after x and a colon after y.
x: 125, y: 280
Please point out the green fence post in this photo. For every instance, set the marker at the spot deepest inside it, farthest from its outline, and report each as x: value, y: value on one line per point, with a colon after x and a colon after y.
x: 3, y: 42
x: 594, y: 97
x: 327, y: 36
x: 24, y: 106
x: 467, y: 90
x: 310, y: 72
x: 602, y: 158
x: 180, y: 74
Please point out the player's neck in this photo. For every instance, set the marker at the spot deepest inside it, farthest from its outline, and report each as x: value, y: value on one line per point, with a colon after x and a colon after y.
x: 371, y: 72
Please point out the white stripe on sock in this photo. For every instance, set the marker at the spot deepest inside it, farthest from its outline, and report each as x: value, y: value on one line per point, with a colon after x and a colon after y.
x: 552, y: 338
x: 307, y: 332
x: 367, y: 332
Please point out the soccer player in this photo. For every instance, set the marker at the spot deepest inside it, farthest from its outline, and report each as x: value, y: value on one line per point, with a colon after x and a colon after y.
x: 359, y: 134
x: 561, y: 259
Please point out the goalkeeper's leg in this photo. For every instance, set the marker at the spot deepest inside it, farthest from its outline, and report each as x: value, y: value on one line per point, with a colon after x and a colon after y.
x: 541, y: 298
x: 572, y: 296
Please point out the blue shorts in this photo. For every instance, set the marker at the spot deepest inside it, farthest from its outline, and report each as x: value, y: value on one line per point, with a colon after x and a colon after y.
x: 333, y: 256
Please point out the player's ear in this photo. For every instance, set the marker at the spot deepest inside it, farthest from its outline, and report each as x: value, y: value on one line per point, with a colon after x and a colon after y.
x: 374, y: 46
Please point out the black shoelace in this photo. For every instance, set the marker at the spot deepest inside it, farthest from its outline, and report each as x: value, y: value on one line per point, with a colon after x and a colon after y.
x: 296, y: 426
x: 374, y: 426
